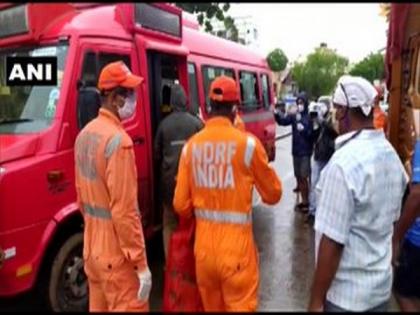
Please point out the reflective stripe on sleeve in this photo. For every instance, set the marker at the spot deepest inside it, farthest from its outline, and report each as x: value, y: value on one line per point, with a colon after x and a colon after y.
x: 249, y: 151
x: 178, y: 142
x: 112, y: 145
x: 184, y: 150
x: 97, y: 212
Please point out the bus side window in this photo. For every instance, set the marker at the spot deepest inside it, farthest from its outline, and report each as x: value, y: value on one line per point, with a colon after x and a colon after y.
x: 89, y: 72
x: 192, y: 86
x: 249, y: 90
x: 209, y: 74
x: 88, y: 101
x: 265, y: 90
x: 106, y: 58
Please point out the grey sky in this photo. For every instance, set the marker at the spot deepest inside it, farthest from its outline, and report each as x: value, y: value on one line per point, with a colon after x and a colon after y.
x: 354, y: 29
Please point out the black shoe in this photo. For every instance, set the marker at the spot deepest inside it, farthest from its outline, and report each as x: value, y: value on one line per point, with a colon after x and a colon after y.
x: 296, y: 189
x: 310, y: 219
x: 303, y: 207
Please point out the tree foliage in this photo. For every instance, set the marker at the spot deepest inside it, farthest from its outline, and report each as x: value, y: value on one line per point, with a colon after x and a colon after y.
x: 206, y: 11
x: 277, y: 60
x: 319, y: 73
x: 371, y: 67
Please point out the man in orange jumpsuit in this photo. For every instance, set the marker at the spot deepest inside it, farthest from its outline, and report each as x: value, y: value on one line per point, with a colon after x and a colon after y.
x: 106, y: 183
x: 218, y: 168
x: 380, y: 119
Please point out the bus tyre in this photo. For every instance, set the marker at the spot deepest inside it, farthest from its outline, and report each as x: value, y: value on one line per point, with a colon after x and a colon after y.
x: 67, y: 288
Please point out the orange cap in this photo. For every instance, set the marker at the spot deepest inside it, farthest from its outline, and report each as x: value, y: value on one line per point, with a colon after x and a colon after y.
x: 117, y: 74
x: 223, y: 89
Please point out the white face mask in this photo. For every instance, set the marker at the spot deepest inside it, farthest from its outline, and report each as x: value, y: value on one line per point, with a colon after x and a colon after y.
x: 301, y: 108
x: 129, y: 107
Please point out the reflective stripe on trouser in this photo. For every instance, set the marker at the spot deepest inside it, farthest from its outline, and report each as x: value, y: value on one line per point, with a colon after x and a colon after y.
x: 223, y: 216
x: 97, y: 212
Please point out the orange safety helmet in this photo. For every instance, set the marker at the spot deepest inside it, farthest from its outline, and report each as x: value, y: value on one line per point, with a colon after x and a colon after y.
x: 223, y: 89
x: 117, y: 74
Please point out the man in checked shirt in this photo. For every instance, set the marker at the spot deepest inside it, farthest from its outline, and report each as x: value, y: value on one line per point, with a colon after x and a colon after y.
x: 359, y: 193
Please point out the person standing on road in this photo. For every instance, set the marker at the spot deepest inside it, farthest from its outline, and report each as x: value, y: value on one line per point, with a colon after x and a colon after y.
x: 407, y: 232
x: 360, y: 193
x: 171, y: 135
x: 380, y: 119
x: 106, y: 184
x: 302, y: 146
x: 218, y: 168
x: 324, y: 147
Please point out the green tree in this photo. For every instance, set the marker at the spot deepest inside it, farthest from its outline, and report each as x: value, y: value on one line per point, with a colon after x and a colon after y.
x: 277, y: 60
x: 371, y: 67
x: 319, y: 73
x: 206, y: 11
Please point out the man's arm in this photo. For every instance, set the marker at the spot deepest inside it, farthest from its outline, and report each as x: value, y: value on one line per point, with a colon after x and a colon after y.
x: 329, y: 258
x: 121, y: 179
x: 409, y: 214
x: 307, y: 132
x: 411, y: 206
x: 158, y: 147
x: 266, y: 180
x: 283, y: 119
x: 333, y: 221
x: 182, y: 202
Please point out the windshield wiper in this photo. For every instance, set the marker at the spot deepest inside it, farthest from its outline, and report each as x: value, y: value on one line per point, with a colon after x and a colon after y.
x: 14, y: 120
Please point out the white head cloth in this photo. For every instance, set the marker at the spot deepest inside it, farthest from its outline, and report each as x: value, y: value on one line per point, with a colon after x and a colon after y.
x: 359, y: 91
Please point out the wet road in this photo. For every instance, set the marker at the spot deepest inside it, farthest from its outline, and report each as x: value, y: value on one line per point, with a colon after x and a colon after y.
x: 284, y: 241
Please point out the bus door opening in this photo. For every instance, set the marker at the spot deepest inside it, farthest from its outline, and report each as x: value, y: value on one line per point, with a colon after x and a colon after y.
x: 164, y: 72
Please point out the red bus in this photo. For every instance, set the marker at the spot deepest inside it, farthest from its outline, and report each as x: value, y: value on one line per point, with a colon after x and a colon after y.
x: 40, y: 225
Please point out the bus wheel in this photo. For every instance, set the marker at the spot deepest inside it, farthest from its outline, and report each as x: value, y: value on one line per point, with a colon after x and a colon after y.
x: 67, y: 290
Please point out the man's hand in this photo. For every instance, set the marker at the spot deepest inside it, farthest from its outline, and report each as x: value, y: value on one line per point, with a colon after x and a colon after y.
x: 395, y: 253
x: 316, y: 307
x: 145, y: 278
x: 300, y: 127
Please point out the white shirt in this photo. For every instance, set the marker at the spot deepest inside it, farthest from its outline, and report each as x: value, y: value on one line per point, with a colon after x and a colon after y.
x: 360, y: 193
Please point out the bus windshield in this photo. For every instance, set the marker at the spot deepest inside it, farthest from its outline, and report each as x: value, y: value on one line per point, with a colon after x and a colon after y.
x: 29, y: 109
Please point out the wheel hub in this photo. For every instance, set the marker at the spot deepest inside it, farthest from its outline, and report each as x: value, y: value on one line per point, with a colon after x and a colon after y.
x: 75, y: 278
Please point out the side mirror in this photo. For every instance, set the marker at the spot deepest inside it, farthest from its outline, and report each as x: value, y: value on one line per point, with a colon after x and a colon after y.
x: 88, y: 104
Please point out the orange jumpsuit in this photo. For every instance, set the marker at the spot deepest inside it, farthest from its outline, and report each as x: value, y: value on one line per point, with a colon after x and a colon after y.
x: 106, y: 184
x: 379, y: 118
x: 218, y: 168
